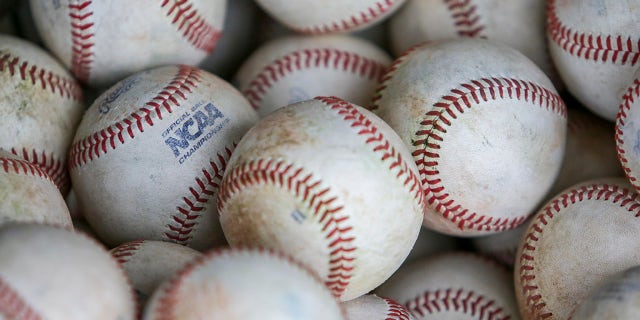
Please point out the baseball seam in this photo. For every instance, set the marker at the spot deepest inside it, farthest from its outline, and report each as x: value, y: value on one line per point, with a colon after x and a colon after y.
x: 22, y: 167
x: 325, y: 58
x: 125, y: 251
x: 99, y: 143
x: 80, y: 15
x: 629, y: 97
x: 534, y: 300
x: 49, y: 164
x: 65, y: 87
x: 430, y: 135
x: 319, y: 200
x: 346, y: 24
x: 395, y: 311
x: 193, y: 26
x: 380, y: 144
x: 169, y: 291
x: 459, y: 300
x: 389, y: 74
x: 13, y: 305
x: 466, y: 18
x: 206, y: 185
x: 624, y: 50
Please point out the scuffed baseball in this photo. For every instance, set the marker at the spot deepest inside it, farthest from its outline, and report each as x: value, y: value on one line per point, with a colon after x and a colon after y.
x: 617, y: 298
x: 329, y: 16
x: 330, y: 184
x: 27, y: 194
x: 518, y: 24
x: 102, y: 42
x: 453, y: 286
x: 150, y: 152
x: 295, y: 68
x: 486, y: 129
x: 243, y: 283
x: 149, y: 263
x: 373, y: 307
x: 40, y: 107
x: 595, y: 46
x: 627, y: 134
x: 580, y: 238
x: 51, y: 273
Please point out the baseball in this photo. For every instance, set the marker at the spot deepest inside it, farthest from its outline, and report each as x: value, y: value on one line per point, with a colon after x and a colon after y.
x: 617, y: 298
x: 627, y: 136
x: 330, y: 184
x: 246, y: 284
x: 102, y: 42
x: 40, y: 104
x: 149, y: 154
x: 454, y: 285
x: 372, y: 307
x: 149, y: 263
x: 579, y: 239
x: 486, y: 129
x: 518, y: 24
x: 596, y: 48
x: 52, y: 273
x: 329, y: 16
x: 296, y: 68
x: 27, y: 194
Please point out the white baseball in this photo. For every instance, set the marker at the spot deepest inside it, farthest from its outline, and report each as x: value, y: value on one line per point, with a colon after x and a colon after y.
x: 51, y: 273
x: 372, y: 307
x: 579, y: 239
x: 627, y: 134
x: 518, y: 24
x: 330, y: 184
x: 40, y: 104
x: 247, y: 284
x: 150, y: 152
x: 296, y: 68
x: 590, y: 153
x: 329, y: 16
x: 617, y: 298
x: 27, y: 194
x: 453, y: 286
x: 102, y: 42
x: 149, y: 263
x: 486, y: 129
x: 595, y: 46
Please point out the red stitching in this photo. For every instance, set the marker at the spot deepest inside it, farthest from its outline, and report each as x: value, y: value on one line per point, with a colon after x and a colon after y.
x: 365, y: 16
x: 192, y: 25
x: 19, y: 166
x: 125, y: 251
x: 185, y: 220
x: 311, y: 58
x: 82, y: 34
x: 97, y: 144
x: 320, y: 202
x: 51, y: 165
x: 395, y: 311
x: 379, y: 143
x: 628, y: 98
x: 13, y: 305
x: 604, y: 48
x: 65, y: 87
x: 169, y: 292
x: 624, y: 197
x: 458, y: 300
x: 433, y: 127
x: 465, y: 18
x: 389, y: 74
